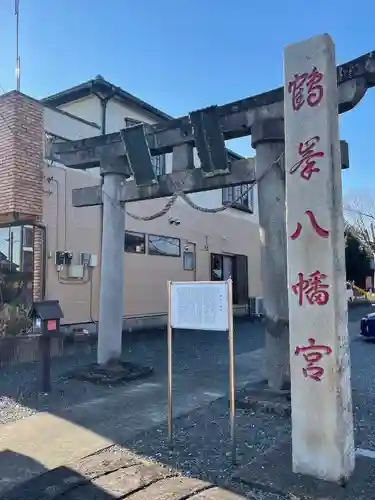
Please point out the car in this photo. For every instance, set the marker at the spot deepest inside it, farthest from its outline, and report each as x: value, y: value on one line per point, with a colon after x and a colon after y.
x: 368, y: 326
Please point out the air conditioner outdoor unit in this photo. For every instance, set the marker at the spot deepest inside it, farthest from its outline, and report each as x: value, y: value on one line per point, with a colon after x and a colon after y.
x: 252, y: 306
x: 256, y: 306
x: 259, y: 308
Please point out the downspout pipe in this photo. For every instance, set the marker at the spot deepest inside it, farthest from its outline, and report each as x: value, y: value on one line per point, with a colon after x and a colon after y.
x: 44, y: 257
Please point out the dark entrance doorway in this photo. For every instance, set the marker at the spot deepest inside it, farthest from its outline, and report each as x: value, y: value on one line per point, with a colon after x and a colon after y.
x: 224, y: 267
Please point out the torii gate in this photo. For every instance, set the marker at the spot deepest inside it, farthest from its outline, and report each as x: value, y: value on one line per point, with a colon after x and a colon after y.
x: 127, y: 154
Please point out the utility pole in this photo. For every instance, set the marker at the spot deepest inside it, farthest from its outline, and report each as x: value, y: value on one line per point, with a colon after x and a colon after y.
x: 18, y: 59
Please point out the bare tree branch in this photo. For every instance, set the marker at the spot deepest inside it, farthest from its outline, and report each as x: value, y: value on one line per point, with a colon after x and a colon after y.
x: 359, y: 211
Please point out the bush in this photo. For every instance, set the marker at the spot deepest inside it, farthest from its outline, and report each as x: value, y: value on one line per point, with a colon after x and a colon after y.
x: 15, y: 320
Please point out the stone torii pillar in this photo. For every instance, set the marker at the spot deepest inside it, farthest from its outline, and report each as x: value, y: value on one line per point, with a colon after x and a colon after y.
x: 267, y: 139
x: 111, y: 301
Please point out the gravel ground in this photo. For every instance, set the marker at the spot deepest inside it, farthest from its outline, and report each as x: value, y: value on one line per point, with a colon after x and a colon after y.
x: 11, y: 410
x: 19, y: 393
x: 202, y: 441
x: 20, y: 397
x: 363, y: 383
x: 201, y: 438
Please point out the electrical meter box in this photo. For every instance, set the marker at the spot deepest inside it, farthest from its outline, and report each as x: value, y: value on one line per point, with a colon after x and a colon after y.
x: 59, y: 258
x: 85, y: 258
x: 68, y: 257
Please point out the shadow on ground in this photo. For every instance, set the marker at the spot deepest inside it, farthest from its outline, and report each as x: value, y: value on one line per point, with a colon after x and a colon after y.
x: 111, y: 474
x: 16, y: 467
x: 202, y: 442
x: 197, y: 357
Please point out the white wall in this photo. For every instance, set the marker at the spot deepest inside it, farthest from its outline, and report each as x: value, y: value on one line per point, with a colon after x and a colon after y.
x: 116, y: 112
x: 66, y: 126
x: 87, y: 108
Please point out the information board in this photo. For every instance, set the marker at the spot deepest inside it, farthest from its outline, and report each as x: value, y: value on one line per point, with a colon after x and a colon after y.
x: 199, y: 305
x: 202, y: 305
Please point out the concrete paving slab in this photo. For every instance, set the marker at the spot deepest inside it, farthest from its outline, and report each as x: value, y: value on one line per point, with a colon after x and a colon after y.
x: 104, y: 462
x: 120, y: 483
x: 116, y: 473
x: 175, y: 488
x: 59, y: 481
x: 50, y: 440
x: 272, y: 473
x: 217, y: 494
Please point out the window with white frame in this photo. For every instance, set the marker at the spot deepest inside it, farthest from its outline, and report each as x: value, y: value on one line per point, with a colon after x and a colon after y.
x: 189, y: 260
x: 130, y: 122
x: 240, y: 197
x: 164, y: 245
x: 134, y: 242
x: 157, y: 161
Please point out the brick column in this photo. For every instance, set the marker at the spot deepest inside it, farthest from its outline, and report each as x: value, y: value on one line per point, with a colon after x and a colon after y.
x: 21, y: 156
x: 21, y: 168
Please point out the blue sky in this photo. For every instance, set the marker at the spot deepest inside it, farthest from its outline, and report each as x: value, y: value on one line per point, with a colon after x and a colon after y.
x: 180, y: 56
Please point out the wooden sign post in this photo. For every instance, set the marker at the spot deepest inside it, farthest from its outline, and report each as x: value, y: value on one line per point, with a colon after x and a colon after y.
x: 202, y: 305
x: 322, y: 417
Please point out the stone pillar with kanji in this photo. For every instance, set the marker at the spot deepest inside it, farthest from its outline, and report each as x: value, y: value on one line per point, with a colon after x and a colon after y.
x: 322, y: 416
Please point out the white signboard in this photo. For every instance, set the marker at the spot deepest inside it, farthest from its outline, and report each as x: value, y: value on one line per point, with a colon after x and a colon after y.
x: 199, y: 305
x: 322, y: 418
x: 202, y: 305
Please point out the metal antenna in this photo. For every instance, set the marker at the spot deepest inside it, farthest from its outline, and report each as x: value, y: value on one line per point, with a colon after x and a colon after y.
x: 18, y: 59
